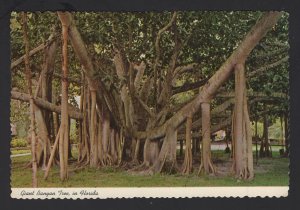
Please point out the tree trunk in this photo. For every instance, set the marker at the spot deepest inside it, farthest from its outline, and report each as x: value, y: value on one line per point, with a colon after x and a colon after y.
x: 188, y: 159
x: 206, y: 162
x: 113, y: 150
x: 93, y: 132
x: 166, y: 160
x: 243, y: 158
x: 43, y: 145
x: 64, y: 130
x: 42, y: 117
x: 151, y: 152
x: 99, y: 139
x: 51, y: 156
x: 136, y: 150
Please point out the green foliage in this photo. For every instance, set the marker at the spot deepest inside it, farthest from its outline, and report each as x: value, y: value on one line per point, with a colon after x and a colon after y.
x: 18, y: 142
x: 275, y: 130
x: 207, y: 38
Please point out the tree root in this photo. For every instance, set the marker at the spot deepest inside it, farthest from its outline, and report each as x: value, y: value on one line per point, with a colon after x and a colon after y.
x: 142, y: 167
x: 211, y: 170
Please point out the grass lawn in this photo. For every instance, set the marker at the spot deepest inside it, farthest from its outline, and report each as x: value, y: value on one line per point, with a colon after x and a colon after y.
x: 269, y: 172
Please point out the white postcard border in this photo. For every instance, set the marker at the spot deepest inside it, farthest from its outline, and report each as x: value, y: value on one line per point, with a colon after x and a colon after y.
x: 148, y: 192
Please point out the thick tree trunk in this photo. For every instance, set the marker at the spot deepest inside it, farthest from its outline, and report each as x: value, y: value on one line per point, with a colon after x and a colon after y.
x: 166, y: 160
x: 151, y: 152
x: 206, y: 162
x: 188, y: 159
x: 243, y: 156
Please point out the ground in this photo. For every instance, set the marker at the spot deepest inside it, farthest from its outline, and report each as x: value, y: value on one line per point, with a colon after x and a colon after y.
x: 269, y: 172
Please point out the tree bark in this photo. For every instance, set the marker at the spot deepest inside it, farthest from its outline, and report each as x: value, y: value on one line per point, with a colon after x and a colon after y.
x: 166, y: 160
x: 51, y: 156
x: 93, y: 129
x: 64, y: 126
x: 105, y: 141
x: 151, y: 152
x: 188, y: 159
x: 206, y: 162
x: 243, y: 155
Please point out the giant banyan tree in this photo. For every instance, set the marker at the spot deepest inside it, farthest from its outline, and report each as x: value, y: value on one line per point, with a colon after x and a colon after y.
x: 139, y: 84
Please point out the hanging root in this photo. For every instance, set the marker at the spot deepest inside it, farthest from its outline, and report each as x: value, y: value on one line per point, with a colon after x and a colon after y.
x: 187, y: 167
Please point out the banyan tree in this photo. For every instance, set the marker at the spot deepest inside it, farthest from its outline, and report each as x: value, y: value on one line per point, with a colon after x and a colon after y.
x: 136, y: 84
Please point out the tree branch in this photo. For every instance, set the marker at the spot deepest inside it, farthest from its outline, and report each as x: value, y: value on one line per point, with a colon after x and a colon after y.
x: 189, y: 86
x: 157, y: 50
x: 73, y: 111
x: 258, y: 31
x: 264, y: 68
x: 42, y: 46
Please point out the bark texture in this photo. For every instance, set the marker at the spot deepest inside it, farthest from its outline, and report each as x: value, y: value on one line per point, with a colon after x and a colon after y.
x: 206, y: 162
x: 188, y: 159
x: 243, y: 157
x: 64, y: 126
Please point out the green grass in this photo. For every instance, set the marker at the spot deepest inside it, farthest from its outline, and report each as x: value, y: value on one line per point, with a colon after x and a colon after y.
x: 268, y: 172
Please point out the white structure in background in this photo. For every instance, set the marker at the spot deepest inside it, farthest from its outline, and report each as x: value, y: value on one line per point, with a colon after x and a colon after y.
x: 219, y: 135
x: 13, y: 129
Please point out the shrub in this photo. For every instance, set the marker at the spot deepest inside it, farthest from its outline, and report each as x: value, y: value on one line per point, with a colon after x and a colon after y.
x: 18, y: 142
